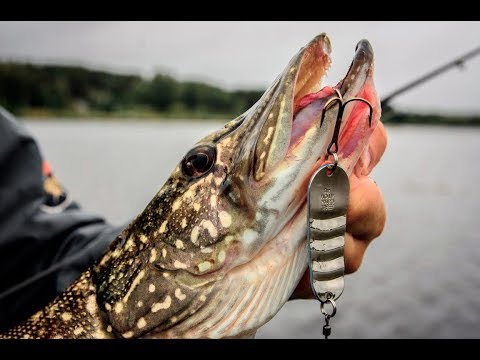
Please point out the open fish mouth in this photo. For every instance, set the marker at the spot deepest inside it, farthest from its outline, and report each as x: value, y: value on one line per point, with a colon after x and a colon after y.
x: 299, y: 122
x: 307, y: 101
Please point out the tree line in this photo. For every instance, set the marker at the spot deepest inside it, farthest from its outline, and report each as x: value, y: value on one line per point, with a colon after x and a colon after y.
x: 77, y: 90
x: 56, y: 87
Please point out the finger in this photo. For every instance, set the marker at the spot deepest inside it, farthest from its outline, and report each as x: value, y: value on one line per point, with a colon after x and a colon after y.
x: 372, y: 155
x: 354, y: 251
x: 366, y: 213
x: 377, y: 145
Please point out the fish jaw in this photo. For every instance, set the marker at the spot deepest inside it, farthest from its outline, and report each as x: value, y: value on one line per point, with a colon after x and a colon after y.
x: 282, y: 191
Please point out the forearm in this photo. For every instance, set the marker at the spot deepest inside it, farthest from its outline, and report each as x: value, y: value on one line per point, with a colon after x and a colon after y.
x: 46, y: 240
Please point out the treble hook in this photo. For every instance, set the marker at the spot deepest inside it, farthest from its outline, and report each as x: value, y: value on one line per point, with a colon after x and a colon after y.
x: 338, y: 122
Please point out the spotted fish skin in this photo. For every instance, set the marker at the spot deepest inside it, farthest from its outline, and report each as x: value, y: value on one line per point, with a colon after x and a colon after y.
x: 74, y: 314
x: 158, y: 266
x: 220, y: 248
x: 162, y: 267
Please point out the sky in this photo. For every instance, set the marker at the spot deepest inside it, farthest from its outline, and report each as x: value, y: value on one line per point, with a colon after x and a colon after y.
x: 251, y: 54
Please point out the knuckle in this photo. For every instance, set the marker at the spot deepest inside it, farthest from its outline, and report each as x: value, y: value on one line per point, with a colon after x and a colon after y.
x: 352, y: 264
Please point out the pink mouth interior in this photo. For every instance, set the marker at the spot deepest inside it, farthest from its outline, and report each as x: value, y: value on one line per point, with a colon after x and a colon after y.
x: 309, y: 114
x: 355, y: 127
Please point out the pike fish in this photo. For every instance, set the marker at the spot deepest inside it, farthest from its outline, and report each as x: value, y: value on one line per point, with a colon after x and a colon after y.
x: 221, y: 247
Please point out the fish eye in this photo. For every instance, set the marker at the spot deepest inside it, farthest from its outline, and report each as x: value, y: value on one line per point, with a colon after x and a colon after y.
x: 199, y: 161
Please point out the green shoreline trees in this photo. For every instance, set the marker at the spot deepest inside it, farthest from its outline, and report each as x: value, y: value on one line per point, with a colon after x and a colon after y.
x: 58, y: 89
x: 73, y: 91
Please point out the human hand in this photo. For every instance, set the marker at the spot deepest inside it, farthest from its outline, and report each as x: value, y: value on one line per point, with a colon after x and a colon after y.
x: 366, y: 214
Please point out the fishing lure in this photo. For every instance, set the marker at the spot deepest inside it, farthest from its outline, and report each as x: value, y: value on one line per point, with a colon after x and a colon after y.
x: 327, y: 200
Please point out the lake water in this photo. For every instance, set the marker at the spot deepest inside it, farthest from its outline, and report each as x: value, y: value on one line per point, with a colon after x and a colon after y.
x: 420, y: 279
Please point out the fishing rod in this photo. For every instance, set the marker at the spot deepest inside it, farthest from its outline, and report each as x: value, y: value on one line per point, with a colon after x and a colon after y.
x: 458, y: 62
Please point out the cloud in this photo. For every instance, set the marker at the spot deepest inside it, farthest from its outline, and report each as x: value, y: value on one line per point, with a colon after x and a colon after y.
x: 251, y: 54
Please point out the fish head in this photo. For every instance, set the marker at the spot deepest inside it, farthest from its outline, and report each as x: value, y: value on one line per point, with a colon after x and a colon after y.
x: 221, y: 246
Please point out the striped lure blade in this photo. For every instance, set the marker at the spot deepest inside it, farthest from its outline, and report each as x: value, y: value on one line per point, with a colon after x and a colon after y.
x: 326, y: 225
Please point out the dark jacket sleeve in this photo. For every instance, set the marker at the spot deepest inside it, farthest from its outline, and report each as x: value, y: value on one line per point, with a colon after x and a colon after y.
x: 44, y: 246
